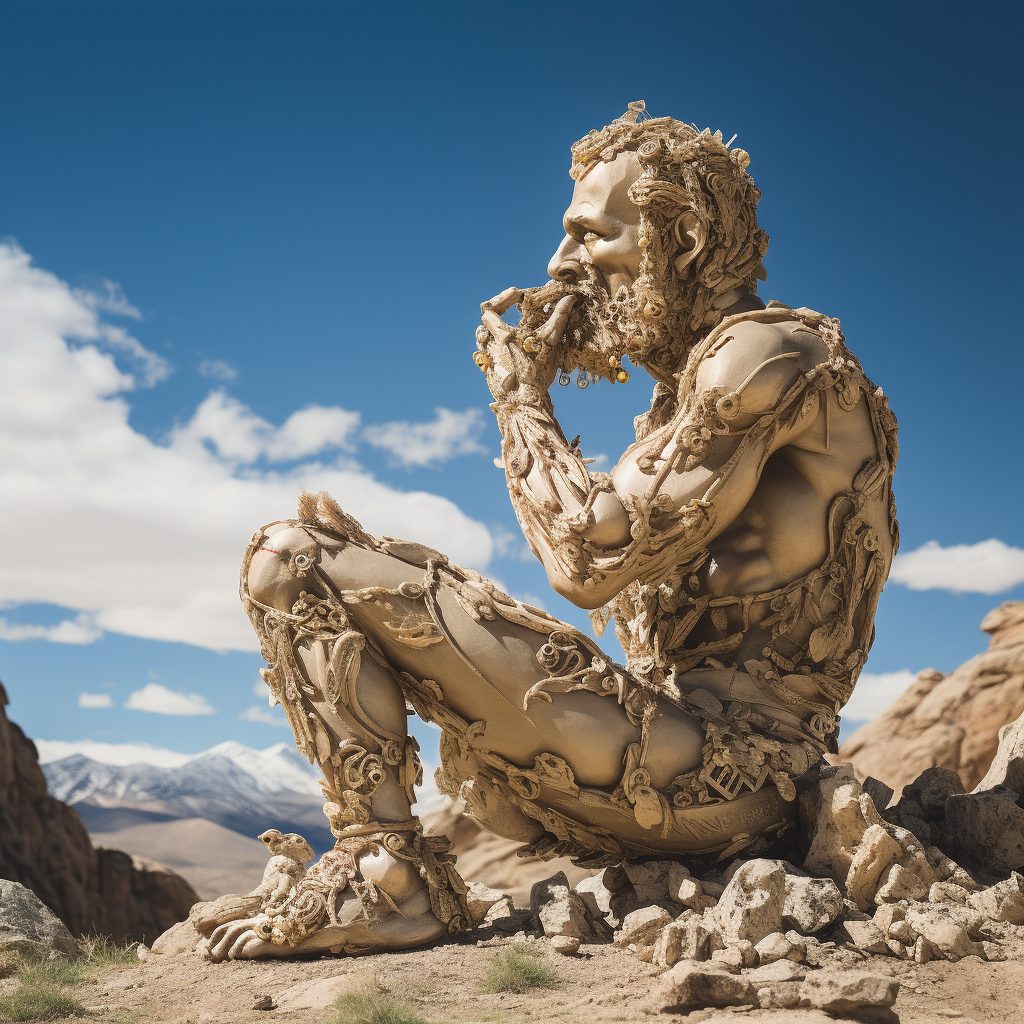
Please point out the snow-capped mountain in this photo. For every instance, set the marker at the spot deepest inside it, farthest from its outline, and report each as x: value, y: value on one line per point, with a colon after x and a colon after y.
x: 231, y: 784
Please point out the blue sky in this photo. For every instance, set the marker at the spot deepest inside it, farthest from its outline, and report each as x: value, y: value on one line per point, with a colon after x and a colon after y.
x: 218, y: 215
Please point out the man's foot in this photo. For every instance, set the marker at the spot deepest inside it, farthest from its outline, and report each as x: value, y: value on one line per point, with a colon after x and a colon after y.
x: 371, y: 903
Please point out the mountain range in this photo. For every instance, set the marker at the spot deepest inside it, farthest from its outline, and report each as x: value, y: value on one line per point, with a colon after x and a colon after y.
x: 231, y: 785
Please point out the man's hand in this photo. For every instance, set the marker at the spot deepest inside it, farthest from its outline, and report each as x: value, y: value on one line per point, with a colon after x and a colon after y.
x: 519, y: 366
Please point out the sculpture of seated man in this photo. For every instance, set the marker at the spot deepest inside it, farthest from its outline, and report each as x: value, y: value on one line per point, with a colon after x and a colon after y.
x: 740, y: 546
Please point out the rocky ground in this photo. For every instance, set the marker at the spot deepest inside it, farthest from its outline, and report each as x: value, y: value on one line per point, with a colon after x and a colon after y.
x: 600, y: 983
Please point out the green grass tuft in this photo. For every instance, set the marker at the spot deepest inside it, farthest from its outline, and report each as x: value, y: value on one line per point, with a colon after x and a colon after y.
x: 39, y: 1002
x: 372, y: 1006
x: 518, y: 969
x: 100, y: 952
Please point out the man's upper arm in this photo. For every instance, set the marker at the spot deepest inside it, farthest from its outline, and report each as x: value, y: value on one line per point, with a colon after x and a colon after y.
x: 718, y: 448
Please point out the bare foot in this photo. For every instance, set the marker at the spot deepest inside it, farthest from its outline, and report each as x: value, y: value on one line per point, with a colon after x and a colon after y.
x: 399, y: 918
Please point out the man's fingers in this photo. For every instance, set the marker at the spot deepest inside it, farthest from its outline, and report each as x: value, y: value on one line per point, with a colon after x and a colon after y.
x: 555, y: 325
x: 241, y: 942
x: 493, y: 322
x: 502, y: 302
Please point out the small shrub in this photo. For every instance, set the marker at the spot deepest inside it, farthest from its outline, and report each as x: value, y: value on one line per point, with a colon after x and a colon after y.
x: 518, y: 969
x: 372, y: 1006
x: 39, y: 1002
x: 100, y: 951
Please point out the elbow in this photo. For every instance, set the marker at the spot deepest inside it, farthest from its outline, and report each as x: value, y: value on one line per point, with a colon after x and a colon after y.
x: 581, y: 595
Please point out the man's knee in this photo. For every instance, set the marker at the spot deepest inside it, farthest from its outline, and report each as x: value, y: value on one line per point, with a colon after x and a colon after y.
x: 281, y: 567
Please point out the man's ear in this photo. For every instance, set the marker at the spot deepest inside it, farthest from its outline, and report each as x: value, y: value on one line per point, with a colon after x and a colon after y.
x: 691, y: 235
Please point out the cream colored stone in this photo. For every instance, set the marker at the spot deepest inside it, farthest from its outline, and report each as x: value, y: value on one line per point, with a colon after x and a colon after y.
x: 875, y: 855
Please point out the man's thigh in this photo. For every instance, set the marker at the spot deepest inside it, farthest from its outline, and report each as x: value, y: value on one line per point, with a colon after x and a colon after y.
x: 485, y: 669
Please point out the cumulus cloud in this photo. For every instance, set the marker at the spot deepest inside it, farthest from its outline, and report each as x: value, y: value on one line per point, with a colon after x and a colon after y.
x: 263, y: 715
x: 875, y: 693
x: 108, y: 298
x: 94, y: 700
x: 218, y: 369
x: 80, y: 630
x: 143, y: 537
x: 425, y: 444
x: 161, y: 701
x: 110, y: 753
x: 987, y: 567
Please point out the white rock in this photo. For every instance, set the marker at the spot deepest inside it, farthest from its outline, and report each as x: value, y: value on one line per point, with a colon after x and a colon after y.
x: 811, y: 904
x: 480, y: 899
x: 565, y: 944
x: 642, y: 927
x: 1003, y: 901
x: 848, y: 991
x: 686, y: 939
x: 777, y: 947
x: 689, y: 986
x: 751, y: 905
x: 874, y: 855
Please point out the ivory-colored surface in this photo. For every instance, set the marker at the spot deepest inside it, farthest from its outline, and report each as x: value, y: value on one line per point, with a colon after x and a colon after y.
x: 740, y: 546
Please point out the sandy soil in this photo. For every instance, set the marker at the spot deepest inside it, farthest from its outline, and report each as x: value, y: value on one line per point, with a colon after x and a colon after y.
x: 600, y: 984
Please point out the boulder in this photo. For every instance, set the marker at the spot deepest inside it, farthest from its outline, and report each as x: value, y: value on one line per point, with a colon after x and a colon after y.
x: 875, y: 855
x: 848, y: 992
x: 45, y: 847
x: 565, y: 944
x: 865, y: 936
x: 930, y: 791
x: 987, y: 828
x: 642, y: 927
x: 778, y: 947
x: 1007, y: 768
x: 689, y: 986
x: 953, y: 721
x: 751, y: 905
x: 1003, y: 901
x: 649, y: 879
x: 946, y: 937
x: 740, y: 953
x: 900, y: 884
x: 810, y: 904
x: 686, y: 939
x: 28, y: 927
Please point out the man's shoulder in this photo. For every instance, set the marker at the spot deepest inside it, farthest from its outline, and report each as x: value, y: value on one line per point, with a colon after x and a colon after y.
x: 759, y: 358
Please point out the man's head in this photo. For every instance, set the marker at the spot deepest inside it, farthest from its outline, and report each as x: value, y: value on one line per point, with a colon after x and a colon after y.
x: 663, y: 222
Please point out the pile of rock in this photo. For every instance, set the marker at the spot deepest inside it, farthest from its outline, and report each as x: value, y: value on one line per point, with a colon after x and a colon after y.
x: 773, y: 933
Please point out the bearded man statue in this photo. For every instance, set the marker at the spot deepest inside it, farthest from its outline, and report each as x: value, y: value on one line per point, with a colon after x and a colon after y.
x: 740, y: 545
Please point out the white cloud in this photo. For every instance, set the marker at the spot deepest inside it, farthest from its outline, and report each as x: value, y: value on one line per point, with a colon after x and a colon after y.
x: 264, y: 715
x: 110, y: 299
x: 110, y: 753
x: 81, y: 630
x: 875, y: 693
x: 218, y: 369
x: 94, y: 700
x: 424, y: 444
x: 987, y: 567
x: 146, y: 538
x: 259, y: 688
x: 161, y: 701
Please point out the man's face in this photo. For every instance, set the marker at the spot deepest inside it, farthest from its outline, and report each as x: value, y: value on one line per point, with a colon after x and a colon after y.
x: 602, y: 228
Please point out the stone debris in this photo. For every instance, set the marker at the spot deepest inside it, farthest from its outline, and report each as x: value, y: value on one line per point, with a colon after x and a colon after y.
x: 642, y: 927
x: 28, y: 927
x: 480, y: 899
x: 771, y: 933
x: 848, y: 992
x: 689, y: 986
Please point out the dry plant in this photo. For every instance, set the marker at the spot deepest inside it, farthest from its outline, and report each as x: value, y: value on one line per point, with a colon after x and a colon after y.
x: 374, y: 1004
x: 518, y: 969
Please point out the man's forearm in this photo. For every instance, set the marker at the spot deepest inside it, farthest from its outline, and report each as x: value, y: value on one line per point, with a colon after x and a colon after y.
x: 558, y: 502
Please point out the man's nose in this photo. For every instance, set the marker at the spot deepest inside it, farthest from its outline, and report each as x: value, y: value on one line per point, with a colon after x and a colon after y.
x: 566, y: 264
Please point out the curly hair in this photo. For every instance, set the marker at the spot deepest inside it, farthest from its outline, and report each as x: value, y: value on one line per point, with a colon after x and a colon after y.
x: 684, y: 170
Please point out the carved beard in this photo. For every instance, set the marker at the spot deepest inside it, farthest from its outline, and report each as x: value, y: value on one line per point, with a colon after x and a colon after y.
x: 602, y: 329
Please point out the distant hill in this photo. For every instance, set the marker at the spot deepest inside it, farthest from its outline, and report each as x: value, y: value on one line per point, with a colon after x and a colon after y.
x: 231, y: 785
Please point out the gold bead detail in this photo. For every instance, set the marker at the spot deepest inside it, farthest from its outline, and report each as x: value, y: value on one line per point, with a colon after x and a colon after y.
x: 482, y: 360
x: 530, y: 344
x: 622, y: 376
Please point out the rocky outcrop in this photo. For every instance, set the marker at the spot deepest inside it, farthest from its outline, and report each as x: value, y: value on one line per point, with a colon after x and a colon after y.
x: 949, y: 721
x: 45, y: 847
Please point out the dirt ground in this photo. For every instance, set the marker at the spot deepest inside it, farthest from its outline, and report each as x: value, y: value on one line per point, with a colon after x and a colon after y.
x: 443, y: 984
